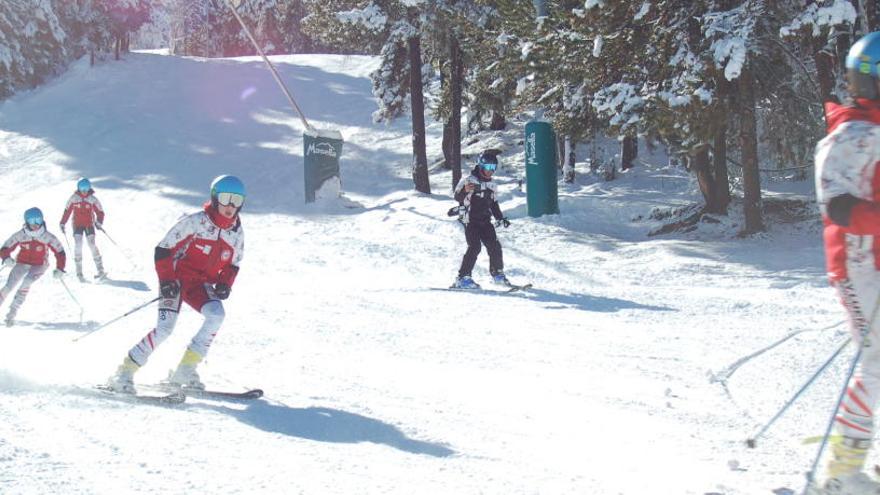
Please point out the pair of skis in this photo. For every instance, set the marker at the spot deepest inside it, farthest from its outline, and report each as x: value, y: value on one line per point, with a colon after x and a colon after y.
x: 509, y: 288
x: 179, y: 396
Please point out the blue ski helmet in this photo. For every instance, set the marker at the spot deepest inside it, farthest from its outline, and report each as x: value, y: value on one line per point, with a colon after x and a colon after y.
x: 227, y: 189
x: 33, y: 216
x: 861, y: 66
x: 84, y: 185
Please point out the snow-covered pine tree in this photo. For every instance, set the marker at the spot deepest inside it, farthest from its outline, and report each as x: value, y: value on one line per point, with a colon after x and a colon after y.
x: 822, y: 34
x: 33, y: 44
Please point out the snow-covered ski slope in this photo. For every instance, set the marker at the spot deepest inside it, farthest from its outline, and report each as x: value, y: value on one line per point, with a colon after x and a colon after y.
x: 633, y: 367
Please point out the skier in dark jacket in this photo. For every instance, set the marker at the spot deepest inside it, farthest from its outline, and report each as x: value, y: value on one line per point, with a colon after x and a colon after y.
x: 476, y: 195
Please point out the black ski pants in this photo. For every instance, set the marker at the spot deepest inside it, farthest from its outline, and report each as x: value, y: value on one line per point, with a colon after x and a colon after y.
x: 477, y: 234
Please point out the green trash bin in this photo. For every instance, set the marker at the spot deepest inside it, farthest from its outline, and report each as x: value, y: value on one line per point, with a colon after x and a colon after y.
x: 541, y: 180
x: 321, y: 152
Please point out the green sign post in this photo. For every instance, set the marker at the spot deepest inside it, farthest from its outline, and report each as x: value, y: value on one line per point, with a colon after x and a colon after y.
x: 541, y: 185
x: 321, y: 152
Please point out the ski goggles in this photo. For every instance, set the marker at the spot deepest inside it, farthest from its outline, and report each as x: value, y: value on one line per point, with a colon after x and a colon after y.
x: 489, y: 166
x: 34, y: 219
x: 227, y: 198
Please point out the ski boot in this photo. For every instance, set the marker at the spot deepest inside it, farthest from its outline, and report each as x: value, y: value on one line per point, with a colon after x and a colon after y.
x: 99, y: 264
x: 499, y: 279
x: 10, y: 317
x: 186, y: 376
x: 123, y: 380
x: 465, y: 282
x: 845, y: 476
x: 853, y: 484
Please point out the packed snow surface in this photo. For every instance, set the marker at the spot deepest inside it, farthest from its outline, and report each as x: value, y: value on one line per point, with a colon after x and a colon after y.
x: 636, y: 365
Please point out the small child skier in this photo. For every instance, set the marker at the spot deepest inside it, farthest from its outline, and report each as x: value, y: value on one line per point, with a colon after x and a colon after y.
x: 33, y: 242
x: 88, y: 215
x: 476, y: 197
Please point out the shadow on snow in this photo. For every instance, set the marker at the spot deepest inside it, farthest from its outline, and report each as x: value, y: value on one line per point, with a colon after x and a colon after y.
x: 586, y: 302
x: 327, y: 425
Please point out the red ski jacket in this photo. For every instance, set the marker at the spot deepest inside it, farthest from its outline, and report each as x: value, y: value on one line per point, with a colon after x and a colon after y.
x: 846, y: 166
x: 34, y: 245
x: 202, y: 247
x: 85, y: 208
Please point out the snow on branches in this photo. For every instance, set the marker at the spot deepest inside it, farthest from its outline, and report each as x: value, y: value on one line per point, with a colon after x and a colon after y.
x: 814, y: 18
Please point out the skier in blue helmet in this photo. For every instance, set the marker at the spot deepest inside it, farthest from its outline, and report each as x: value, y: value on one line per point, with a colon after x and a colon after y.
x: 88, y: 216
x: 33, y: 242
x: 197, y: 262
x: 848, y: 194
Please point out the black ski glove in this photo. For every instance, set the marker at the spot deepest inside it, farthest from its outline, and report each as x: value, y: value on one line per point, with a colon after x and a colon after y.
x: 169, y: 288
x: 504, y: 222
x: 221, y: 290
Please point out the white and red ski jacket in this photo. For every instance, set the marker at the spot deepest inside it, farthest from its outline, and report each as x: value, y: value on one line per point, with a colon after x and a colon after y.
x: 85, y: 208
x: 202, y: 247
x: 34, y: 245
x: 848, y: 189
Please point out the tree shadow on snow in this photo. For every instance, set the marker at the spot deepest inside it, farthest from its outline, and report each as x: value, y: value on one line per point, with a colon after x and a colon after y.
x: 328, y: 425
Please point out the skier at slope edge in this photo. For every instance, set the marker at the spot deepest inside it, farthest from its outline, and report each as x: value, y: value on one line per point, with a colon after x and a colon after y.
x: 476, y: 195
x: 197, y: 263
x: 34, y: 243
x: 88, y: 215
x: 848, y: 191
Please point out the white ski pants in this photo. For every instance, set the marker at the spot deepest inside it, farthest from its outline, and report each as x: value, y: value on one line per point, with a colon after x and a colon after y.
x: 860, y: 295
x: 27, y: 275
x: 78, y: 251
x: 168, y: 310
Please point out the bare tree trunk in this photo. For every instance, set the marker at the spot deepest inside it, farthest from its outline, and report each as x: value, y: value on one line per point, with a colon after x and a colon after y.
x: 748, y: 138
x: 629, y: 152
x: 568, y: 161
x: 456, y: 66
x: 420, y: 156
x: 116, y: 48
x: 719, y: 169
x: 824, y: 69
x: 447, y: 144
x: 700, y: 166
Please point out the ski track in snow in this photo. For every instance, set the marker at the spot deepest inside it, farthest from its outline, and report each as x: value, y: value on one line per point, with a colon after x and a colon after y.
x: 597, y: 380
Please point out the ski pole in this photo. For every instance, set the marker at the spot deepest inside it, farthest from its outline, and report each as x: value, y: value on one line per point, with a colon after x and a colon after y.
x: 101, y: 228
x: 74, y: 299
x: 136, y: 308
x: 852, y: 369
x: 124, y: 254
x: 752, y: 441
